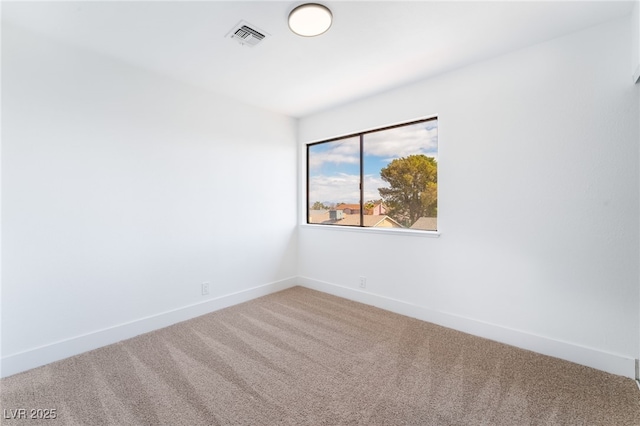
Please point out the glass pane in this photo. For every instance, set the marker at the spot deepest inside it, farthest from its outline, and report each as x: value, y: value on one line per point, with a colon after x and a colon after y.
x: 334, y: 182
x: 401, y: 177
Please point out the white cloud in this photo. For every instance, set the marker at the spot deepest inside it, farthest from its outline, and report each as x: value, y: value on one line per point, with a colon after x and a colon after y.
x: 344, y: 188
x: 345, y: 151
x: 337, y: 188
x: 318, y: 159
x: 403, y: 141
x: 371, y: 185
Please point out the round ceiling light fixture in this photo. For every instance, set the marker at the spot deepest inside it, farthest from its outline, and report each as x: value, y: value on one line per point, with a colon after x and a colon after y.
x: 310, y: 19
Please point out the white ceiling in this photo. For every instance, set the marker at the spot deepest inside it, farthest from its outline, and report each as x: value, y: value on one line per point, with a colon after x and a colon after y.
x: 371, y: 47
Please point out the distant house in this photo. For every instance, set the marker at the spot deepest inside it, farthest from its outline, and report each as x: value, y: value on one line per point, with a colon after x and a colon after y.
x: 349, y: 208
x: 372, y: 221
x: 378, y: 209
x: 318, y: 216
x: 317, y: 212
x: 426, y: 224
x: 377, y: 221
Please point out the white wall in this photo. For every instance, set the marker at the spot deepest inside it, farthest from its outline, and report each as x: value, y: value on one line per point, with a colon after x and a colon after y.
x: 635, y: 41
x: 123, y: 191
x: 635, y: 62
x: 538, y: 203
x: 635, y: 25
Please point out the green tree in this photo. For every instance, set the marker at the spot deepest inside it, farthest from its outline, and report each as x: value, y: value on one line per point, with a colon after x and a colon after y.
x: 368, y: 206
x: 318, y: 206
x: 413, y: 191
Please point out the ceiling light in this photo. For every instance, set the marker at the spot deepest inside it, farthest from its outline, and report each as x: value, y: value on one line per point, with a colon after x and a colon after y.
x: 309, y: 20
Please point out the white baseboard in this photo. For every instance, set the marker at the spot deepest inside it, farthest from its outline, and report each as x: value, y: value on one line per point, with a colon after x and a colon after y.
x: 46, y: 354
x: 611, y: 363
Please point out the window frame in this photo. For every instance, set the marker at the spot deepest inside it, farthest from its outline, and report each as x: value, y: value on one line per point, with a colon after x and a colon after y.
x: 361, y: 227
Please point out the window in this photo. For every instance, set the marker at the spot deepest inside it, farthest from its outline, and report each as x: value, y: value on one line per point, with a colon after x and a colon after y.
x: 384, y: 178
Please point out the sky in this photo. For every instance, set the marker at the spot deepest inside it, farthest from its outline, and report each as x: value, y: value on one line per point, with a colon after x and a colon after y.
x: 334, y: 170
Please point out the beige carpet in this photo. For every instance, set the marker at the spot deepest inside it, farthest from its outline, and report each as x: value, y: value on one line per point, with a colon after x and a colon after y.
x: 300, y: 357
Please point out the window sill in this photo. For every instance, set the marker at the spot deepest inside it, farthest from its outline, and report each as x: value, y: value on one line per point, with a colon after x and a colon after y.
x: 385, y: 231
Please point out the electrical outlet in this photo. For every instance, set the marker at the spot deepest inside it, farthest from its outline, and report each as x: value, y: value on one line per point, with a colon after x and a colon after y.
x: 205, y: 288
x: 363, y: 282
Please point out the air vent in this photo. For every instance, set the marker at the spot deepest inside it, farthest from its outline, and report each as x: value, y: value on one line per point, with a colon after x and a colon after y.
x: 246, y: 34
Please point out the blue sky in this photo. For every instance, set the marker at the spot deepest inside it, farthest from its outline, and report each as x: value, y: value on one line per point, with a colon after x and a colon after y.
x: 334, y: 172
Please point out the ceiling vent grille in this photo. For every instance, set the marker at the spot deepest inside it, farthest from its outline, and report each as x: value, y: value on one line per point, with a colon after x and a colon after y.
x: 246, y: 34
